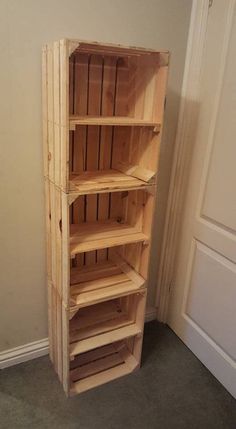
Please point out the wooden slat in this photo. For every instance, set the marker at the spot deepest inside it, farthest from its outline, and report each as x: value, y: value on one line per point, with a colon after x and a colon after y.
x: 96, y: 367
x: 105, y: 283
x: 64, y: 113
x: 45, y: 109
x: 100, y: 235
x: 103, y: 339
x: 93, y: 355
x: 135, y: 171
x: 51, y: 154
x: 111, y: 121
x: 81, y: 45
x: 98, y: 379
x: 101, y: 366
x: 56, y: 113
x: 92, y: 272
x: 96, y: 314
x: 89, y: 182
x: 100, y: 328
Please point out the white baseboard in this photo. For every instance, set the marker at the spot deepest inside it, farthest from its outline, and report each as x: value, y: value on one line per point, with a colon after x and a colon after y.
x: 23, y: 353
x: 39, y: 348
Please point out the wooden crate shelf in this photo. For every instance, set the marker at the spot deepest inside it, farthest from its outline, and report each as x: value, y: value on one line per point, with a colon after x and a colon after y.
x: 103, y: 111
x: 101, y: 365
x: 104, y: 339
x: 90, y: 182
x: 102, y: 234
x: 103, y: 281
x: 112, y: 121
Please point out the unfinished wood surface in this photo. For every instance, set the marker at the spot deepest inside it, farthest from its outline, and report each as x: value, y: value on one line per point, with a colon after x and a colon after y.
x: 100, y: 366
x: 112, y: 121
x: 103, y: 339
x: 90, y: 182
x: 103, y: 234
x: 102, y: 121
x: 103, y: 281
x: 45, y: 109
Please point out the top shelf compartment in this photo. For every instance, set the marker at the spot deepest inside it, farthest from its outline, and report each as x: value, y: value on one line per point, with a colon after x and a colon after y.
x: 116, y: 86
x: 103, y: 110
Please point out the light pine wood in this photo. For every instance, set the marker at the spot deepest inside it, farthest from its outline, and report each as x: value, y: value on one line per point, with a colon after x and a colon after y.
x: 102, y: 122
x: 111, y: 121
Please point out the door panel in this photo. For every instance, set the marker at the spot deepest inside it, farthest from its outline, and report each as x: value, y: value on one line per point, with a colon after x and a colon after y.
x: 202, y: 308
x: 220, y: 196
x: 211, y: 297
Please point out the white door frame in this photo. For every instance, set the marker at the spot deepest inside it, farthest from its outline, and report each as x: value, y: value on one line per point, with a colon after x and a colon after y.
x: 182, y: 153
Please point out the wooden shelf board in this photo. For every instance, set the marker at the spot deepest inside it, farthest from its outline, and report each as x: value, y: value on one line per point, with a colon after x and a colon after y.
x: 103, y: 281
x: 90, y: 182
x: 111, y: 121
x: 100, y: 366
x: 90, y: 236
x: 103, y: 339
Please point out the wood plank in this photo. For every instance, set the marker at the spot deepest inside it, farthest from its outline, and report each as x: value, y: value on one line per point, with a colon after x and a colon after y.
x: 81, y: 45
x: 93, y: 355
x: 102, y: 365
x: 111, y: 121
x: 135, y: 171
x: 103, y: 339
x: 100, y: 235
x: 95, y: 367
x: 100, y: 328
x: 89, y: 182
x: 102, y: 294
x: 105, y: 283
x: 80, y: 101
x: 87, y: 318
x: 95, y: 85
x: 56, y: 113
x: 50, y: 113
x: 64, y: 113
x: 98, y: 379
x: 45, y: 110
x: 127, y: 269
x: 93, y: 272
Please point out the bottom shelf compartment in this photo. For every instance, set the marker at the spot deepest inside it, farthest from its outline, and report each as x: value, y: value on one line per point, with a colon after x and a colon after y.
x: 107, y: 322
x: 102, y: 365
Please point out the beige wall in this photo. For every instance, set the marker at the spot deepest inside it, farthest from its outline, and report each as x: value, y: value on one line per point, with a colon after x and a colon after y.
x: 25, y: 26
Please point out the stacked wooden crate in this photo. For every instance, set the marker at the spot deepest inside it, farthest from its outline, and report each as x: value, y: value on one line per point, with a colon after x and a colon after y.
x: 102, y: 119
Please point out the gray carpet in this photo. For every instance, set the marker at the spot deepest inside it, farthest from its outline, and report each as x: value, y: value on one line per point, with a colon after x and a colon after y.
x: 171, y: 390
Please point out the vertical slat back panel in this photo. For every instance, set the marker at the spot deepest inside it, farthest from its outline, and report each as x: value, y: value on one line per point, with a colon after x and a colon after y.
x: 122, y: 88
x: 150, y: 68
x: 106, y: 136
x: 95, y: 83
x: 121, y: 145
x: 117, y: 203
x: 134, y: 211
x: 160, y: 89
x: 80, y: 103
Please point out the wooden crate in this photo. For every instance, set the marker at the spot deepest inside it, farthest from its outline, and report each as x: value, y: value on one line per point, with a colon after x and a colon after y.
x: 102, y: 120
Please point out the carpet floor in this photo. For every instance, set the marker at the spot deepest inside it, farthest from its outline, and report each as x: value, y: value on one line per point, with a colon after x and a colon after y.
x: 172, y: 390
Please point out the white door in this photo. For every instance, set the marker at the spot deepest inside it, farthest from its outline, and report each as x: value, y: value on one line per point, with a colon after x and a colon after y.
x: 202, y: 308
